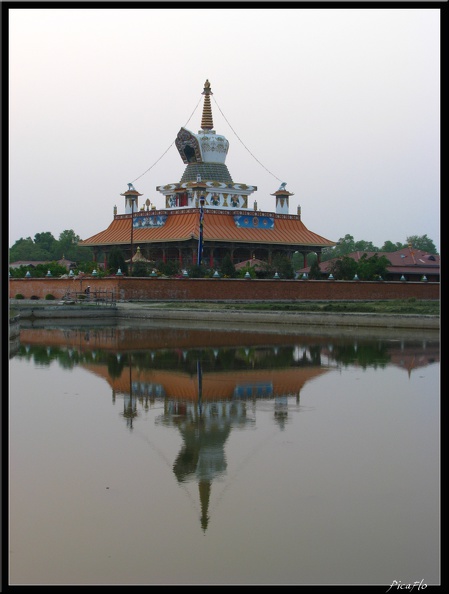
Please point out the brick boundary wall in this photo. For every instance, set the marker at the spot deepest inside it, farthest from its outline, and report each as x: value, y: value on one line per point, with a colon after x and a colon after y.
x: 185, y: 289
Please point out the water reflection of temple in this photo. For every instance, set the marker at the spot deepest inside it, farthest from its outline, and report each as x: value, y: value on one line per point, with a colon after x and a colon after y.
x: 206, y: 392
x: 205, y: 407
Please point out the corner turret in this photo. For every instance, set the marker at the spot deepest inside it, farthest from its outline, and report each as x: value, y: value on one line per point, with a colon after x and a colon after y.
x: 282, y: 199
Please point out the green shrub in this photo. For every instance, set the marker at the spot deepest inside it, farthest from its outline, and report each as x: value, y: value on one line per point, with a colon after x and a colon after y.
x: 170, y: 268
x: 19, y: 296
x: 227, y: 267
x: 141, y: 269
x: 242, y: 272
x: 35, y: 297
x: 197, y: 271
x: 49, y: 297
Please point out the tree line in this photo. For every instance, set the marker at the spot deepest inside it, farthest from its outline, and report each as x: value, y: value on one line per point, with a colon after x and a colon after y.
x: 347, y: 245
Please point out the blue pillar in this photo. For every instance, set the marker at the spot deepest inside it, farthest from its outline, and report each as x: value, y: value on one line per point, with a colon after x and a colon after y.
x: 200, y: 239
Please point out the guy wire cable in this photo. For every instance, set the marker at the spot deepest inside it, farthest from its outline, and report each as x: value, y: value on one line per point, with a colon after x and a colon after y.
x: 255, y: 158
x: 142, y: 174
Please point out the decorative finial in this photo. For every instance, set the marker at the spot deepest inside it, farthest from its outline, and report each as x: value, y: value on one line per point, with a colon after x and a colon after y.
x: 207, y: 90
x: 131, y: 187
x: 282, y: 186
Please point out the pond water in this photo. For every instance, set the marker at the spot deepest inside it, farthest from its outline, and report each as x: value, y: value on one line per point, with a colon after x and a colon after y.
x: 146, y: 455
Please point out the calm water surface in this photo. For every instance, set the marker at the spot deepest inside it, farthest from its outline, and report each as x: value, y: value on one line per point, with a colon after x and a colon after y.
x: 151, y: 455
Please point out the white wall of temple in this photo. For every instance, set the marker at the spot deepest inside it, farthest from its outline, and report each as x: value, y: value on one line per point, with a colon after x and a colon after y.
x: 212, y: 200
x: 231, y: 199
x: 216, y: 196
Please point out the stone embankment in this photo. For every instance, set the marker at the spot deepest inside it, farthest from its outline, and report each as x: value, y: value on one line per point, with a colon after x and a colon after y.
x: 157, y: 312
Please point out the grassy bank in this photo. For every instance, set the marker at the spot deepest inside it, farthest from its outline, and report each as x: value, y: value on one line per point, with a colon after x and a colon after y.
x: 409, y: 306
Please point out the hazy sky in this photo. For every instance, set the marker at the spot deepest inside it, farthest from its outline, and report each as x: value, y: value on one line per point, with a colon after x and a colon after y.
x: 342, y: 104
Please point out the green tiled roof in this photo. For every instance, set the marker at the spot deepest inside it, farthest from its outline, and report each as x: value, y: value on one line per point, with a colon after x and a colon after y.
x: 208, y: 171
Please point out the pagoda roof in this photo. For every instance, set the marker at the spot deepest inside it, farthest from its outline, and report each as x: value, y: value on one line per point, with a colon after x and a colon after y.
x: 218, y: 225
x: 138, y: 257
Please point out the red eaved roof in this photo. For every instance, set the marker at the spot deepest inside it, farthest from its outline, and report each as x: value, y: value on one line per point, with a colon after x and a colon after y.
x: 405, y: 260
x: 218, y: 225
x: 34, y: 263
x: 254, y: 263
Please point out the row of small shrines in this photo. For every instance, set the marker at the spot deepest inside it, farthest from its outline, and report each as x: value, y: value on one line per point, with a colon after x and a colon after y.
x: 216, y: 274
x: 298, y: 275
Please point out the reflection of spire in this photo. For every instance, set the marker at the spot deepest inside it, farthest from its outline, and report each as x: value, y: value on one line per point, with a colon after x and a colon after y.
x: 204, y: 487
x: 206, y: 120
x: 201, y: 458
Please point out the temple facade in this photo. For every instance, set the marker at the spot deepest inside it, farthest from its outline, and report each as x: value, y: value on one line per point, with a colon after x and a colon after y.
x: 207, y: 215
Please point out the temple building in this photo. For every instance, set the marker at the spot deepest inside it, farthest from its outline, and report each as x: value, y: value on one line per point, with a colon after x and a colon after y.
x: 206, y: 214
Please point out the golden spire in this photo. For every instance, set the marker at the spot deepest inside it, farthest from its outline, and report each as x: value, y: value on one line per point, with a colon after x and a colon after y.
x: 206, y: 120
